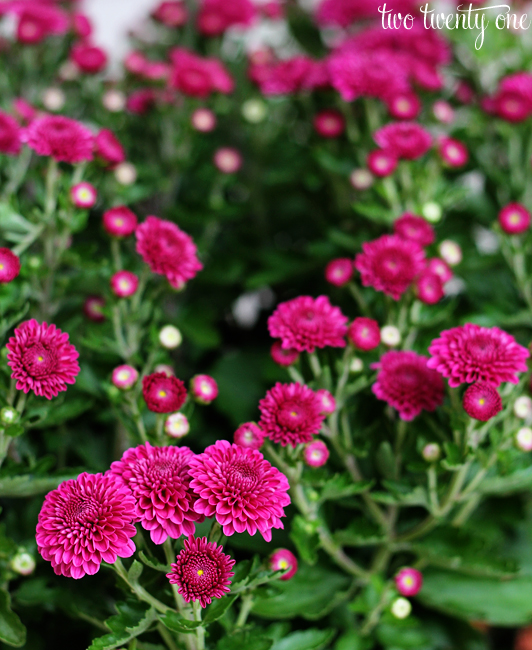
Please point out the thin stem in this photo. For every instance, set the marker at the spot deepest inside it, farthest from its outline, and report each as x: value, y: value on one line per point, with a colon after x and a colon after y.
x: 359, y: 298
x: 200, y: 631
x: 167, y: 637
x: 139, y: 591
x: 315, y: 364
x: 245, y: 609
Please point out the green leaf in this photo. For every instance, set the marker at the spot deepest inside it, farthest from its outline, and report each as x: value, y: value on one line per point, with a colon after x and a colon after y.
x: 311, y: 639
x: 153, y: 564
x: 14, y: 430
x: 177, y: 623
x: 135, y: 571
x: 53, y: 417
x: 132, y: 620
x: 353, y: 641
x: 360, y: 532
x: 12, y: 631
x: 342, y: 485
x: 304, y: 536
x: 27, y: 485
x: 453, y: 460
x: 515, y: 482
x: 403, y: 635
x: 497, y: 602
x: 253, y: 639
x: 218, y: 608
x: 310, y: 593
x: 406, y: 494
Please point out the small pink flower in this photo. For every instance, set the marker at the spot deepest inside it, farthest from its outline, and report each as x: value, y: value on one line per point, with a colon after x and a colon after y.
x: 216, y: 16
x: 409, y: 581
x: 364, y: 333
x: 195, y: 76
x: 203, y: 389
x: 443, y: 112
x: 339, y: 272
x: 119, y: 221
x: 82, y: 25
x: 411, y: 227
x: 24, y: 110
x: 124, y: 377
x: 482, y: 401
x: 453, y: 152
x: 108, y: 148
x: 329, y: 123
x: 171, y: 13
x: 135, y: 63
x: 514, y: 219
x: 316, y: 453
x: 326, y: 401
x: 227, y: 160
x: 176, y: 425
x: 361, y: 179
x: 83, y: 195
x: 124, y: 284
x: 10, y: 135
x: 9, y: 266
x: 89, y: 58
x: 141, y: 101
x: 429, y: 288
x: 406, y: 140
x: 382, y: 163
x: 283, y: 356
x: 163, y: 394
x: 37, y: 21
x: 93, y: 308
x: 440, y: 268
x: 283, y: 560
x: 203, y: 120
x: 249, y: 435
x: 202, y: 571
x: 404, y: 106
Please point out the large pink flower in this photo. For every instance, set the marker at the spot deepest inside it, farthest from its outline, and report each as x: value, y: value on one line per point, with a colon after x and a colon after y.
x: 307, y: 323
x: 290, y: 414
x: 198, y: 77
x: 414, y: 228
x: 9, y: 134
x: 159, y: 480
x: 42, y: 359
x: 390, y: 264
x: 202, y: 571
x: 407, y: 140
x: 281, y: 77
x: 473, y: 353
x: 167, y: 250
x: 215, y: 16
x: 86, y: 521
x: 407, y: 384
x: 61, y: 138
x: 240, y: 488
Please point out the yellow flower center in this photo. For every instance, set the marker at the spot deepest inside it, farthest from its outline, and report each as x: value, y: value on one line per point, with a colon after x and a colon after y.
x: 162, y: 393
x: 200, y: 572
x: 283, y: 564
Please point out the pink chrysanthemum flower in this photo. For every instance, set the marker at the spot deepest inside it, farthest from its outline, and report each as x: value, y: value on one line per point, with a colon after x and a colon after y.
x: 202, y: 571
x: 249, y: 435
x: 440, y: 268
x: 163, y: 394
x: 453, y: 152
x: 404, y: 106
x: 473, y: 353
x: 240, y: 488
x: 37, y: 20
x: 83, y: 195
x: 316, y: 453
x: 124, y: 377
x: 159, y: 480
x: 176, y: 425
x: 63, y: 139
x: 227, y: 160
x: 390, y: 264
x: 9, y: 134
x: 382, y: 163
x: 326, y: 401
x: 93, y: 308
x: 88, y: 58
x: 407, y: 140
x: 167, y: 250
x: 203, y: 120
x: 203, y: 389
x: 42, y: 359
x: 119, y: 221
x: 413, y: 228
x: 171, y: 13
x: 407, y: 384
x: 409, y: 581
x: 307, y: 323
x: 429, y: 288
x: 514, y: 219
x: 283, y: 357
x: 482, y: 401
x: 329, y: 123
x: 284, y: 560
x: 108, y: 148
x: 84, y: 522
x: 124, y: 284
x: 364, y: 333
x: 216, y: 16
x: 338, y: 272
x: 195, y: 76
x: 9, y: 265
x: 290, y: 414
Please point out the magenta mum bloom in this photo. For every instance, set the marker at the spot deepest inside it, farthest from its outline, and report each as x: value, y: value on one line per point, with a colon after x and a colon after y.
x: 9, y: 265
x: 63, y: 139
x: 88, y: 58
x: 283, y: 357
x: 240, y: 488
x: 9, y: 134
x: 227, y: 160
x: 404, y: 106
x: 171, y: 13
x: 409, y: 581
x: 215, y: 16
x: 163, y: 394
x: 473, y: 353
x: 83, y: 195
x: 202, y: 571
x: 316, y: 453
x: 429, y: 288
x: 203, y: 388
x: 329, y: 123
x: 159, y: 480
x: 307, y: 323
x: 284, y: 560
x: 119, y: 221
x: 108, y: 148
x: 390, y: 264
x: 482, y: 401
x: 326, y: 401
x: 339, y: 272
x: 249, y: 435
x: 453, y: 152
x: 42, y: 359
x: 407, y: 140
x: 124, y: 284
x: 290, y: 414
x: 382, y: 163
x: 84, y: 522
x: 167, y: 250
x: 407, y: 384
x: 124, y: 377
x: 413, y: 228
x: 364, y: 333
x: 514, y: 219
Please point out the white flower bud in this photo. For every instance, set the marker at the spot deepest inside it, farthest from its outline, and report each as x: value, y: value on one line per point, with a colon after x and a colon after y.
x: 125, y: 173
x: 114, y: 100
x: 170, y: 337
x: 390, y: 335
x: 254, y: 110
x: 432, y: 212
x: 356, y: 365
x: 401, y: 608
x: 523, y: 439
x: 431, y: 452
x: 8, y: 415
x: 523, y: 407
x: 450, y: 252
x: 176, y: 425
x: 23, y: 563
x: 53, y: 99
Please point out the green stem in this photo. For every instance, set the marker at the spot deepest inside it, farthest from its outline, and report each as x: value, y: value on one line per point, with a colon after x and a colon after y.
x: 167, y: 637
x: 359, y: 298
x: 200, y: 631
x: 315, y: 364
x: 139, y: 591
x: 245, y: 609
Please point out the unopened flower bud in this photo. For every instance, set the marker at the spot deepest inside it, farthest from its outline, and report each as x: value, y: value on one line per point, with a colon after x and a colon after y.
x: 316, y: 453
x: 431, y: 452
x: 227, y: 160
x: 34, y: 262
x: 203, y: 120
x: 254, y: 110
x: 124, y: 377
x: 170, y: 337
x: 361, y: 179
x: 523, y: 407
x: 326, y: 401
x: 408, y: 581
x: 164, y: 367
x: 9, y: 415
x: 204, y: 389
x: 23, y: 563
x: 523, y: 439
x: 432, y: 212
x: 176, y: 425
x: 284, y: 560
x: 53, y: 99
x: 450, y: 252
x: 401, y: 608
x: 356, y: 365
x: 114, y: 100
x: 83, y: 195
x: 125, y: 173
x: 249, y: 435
x: 390, y: 335
x: 69, y: 71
